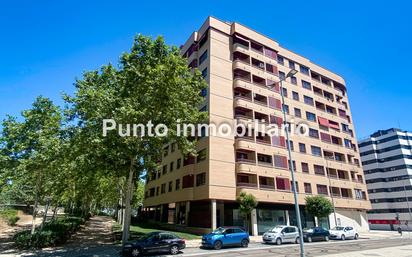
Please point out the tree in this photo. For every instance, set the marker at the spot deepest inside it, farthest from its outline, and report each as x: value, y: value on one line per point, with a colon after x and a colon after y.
x: 32, y: 146
x: 153, y: 84
x: 247, y: 203
x: 318, y: 206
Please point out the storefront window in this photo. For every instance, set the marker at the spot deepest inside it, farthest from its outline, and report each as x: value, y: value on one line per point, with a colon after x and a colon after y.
x: 269, y: 218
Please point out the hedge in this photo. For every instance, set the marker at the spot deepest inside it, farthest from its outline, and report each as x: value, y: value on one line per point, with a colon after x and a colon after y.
x: 10, y: 216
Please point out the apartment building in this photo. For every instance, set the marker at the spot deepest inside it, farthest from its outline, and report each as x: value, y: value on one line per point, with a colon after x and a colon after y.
x: 239, y: 64
x: 387, y: 162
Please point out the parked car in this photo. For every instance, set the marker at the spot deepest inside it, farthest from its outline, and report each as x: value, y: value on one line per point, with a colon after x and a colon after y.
x: 226, y: 236
x: 155, y: 242
x: 281, y: 234
x: 316, y: 234
x: 343, y: 233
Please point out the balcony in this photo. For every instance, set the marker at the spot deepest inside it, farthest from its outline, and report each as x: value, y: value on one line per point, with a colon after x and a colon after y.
x: 241, y: 93
x: 245, y: 143
x: 264, y: 160
x: 263, y: 138
x: 243, y: 113
x: 241, y: 57
x: 258, y: 81
x: 245, y: 156
x: 266, y: 183
x: 246, y: 180
x: 261, y: 117
x: 260, y: 99
x: 241, y: 83
x: 258, y: 64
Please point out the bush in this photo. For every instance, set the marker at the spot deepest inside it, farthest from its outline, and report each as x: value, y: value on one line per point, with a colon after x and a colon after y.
x: 10, y: 216
x: 53, y: 233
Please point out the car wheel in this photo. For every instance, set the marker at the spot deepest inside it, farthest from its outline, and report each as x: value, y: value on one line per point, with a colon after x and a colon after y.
x: 278, y: 241
x: 342, y: 237
x: 356, y: 237
x: 135, y: 252
x: 326, y: 238
x: 218, y: 245
x: 297, y: 240
x: 174, y: 249
x: 244, y: 243
x: 310, y: 239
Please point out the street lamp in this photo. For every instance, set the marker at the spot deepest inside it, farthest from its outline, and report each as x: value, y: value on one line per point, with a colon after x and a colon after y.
x: 292, y: 169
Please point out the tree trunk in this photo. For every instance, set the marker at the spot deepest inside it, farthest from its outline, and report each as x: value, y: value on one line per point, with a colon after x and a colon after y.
x: 36, y: 202
x: 45, y: 214
x: 55, y: 211
x: 127, y: 204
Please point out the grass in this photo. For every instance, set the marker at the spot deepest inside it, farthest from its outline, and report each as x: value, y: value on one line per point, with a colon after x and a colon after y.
x: 137, y: 231
x: 10, y: 216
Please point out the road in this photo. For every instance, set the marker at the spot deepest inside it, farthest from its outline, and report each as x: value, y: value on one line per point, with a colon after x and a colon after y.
x: 313, y: 249
x: 394, y: 247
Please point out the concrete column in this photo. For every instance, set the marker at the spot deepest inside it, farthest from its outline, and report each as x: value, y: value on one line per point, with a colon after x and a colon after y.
x: 213, y: 214
x: 177, y: 210
x: 253, y: 216
x: 287, y: 218
x: 161, y: 212
x: 221, y: 208
x: 187, y: 213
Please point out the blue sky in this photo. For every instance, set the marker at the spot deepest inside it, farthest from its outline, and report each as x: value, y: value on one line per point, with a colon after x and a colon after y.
x: 45, y: 45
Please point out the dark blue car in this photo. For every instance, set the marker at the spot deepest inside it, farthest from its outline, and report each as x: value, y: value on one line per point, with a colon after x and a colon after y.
x: 226, y: 236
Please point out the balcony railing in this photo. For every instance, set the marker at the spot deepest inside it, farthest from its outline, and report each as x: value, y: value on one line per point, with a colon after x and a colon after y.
x: 250, y: 185
x: 245, y: 160
x: 267, y: 187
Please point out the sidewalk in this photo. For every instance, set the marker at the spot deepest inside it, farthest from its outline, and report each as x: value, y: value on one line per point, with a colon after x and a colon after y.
x: 398, y: 251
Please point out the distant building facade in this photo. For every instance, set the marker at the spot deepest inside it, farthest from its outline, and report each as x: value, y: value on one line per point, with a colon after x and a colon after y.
x: 387, y: 163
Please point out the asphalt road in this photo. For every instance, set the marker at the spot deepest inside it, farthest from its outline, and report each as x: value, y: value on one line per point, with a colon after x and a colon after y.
x: 254, y: 249
x: 311, y: 249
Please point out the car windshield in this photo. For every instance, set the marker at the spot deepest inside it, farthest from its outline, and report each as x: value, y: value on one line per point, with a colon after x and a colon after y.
x: 218, y: 231
x: 337, y: 228
x: 276, y: 229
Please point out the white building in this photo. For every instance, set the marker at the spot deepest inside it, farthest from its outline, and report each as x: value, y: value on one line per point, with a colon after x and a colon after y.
x: 387, y: 162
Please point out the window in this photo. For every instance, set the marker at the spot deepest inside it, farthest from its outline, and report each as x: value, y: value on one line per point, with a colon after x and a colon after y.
x: 308, y: 100
x: 178, y: 163
x: 200, y: 179
x: 286, y: 108
x: 203, y: 40
x: 295, y: 95
x: 296, y: 186
x: 165, y: 151
x: 164, y: 169
x: 316, y: 150
x: 203, y: 92
x: 293, y: 80
x: 297, y: 112
x: 308, y: 188
x: 292, y: 148
x: 177, y: 184
x: 281, y: 161
x: 304, y: 69
x: 319, y: 170
x: 187, y: 181
x: 282, y: 184
x: 163, y: 189
x: 310, y: 116
x: 302, y: 148
x: 285, y: 92
x: 291, y: 64
x: 306, y: 85
x: 201, y: 155
x: 204, y: 73
x: 313, y: 133
x: 348, y: 143
x: 171, y: 166
x: 173, y: 147
x: 282, y: 75
x: 203, y: 57
x: 281, y: 60
x: 170, y: 186
x: 322, y: 189
x: 305, y: 167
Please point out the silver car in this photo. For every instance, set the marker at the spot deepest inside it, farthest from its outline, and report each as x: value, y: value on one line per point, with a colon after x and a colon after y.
x: 282, y: 234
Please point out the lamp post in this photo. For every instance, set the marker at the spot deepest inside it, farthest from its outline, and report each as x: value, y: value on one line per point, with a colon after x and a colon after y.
x: 292, y: 169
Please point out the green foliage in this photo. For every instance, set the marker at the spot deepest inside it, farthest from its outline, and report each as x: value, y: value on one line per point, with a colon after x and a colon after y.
x: 53, y: 233
x: 247, y: 202
x: 318, y: 206
x: 10, y: 216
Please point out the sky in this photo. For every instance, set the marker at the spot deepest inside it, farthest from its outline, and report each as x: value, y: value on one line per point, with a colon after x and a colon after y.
x: 46, y: 45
